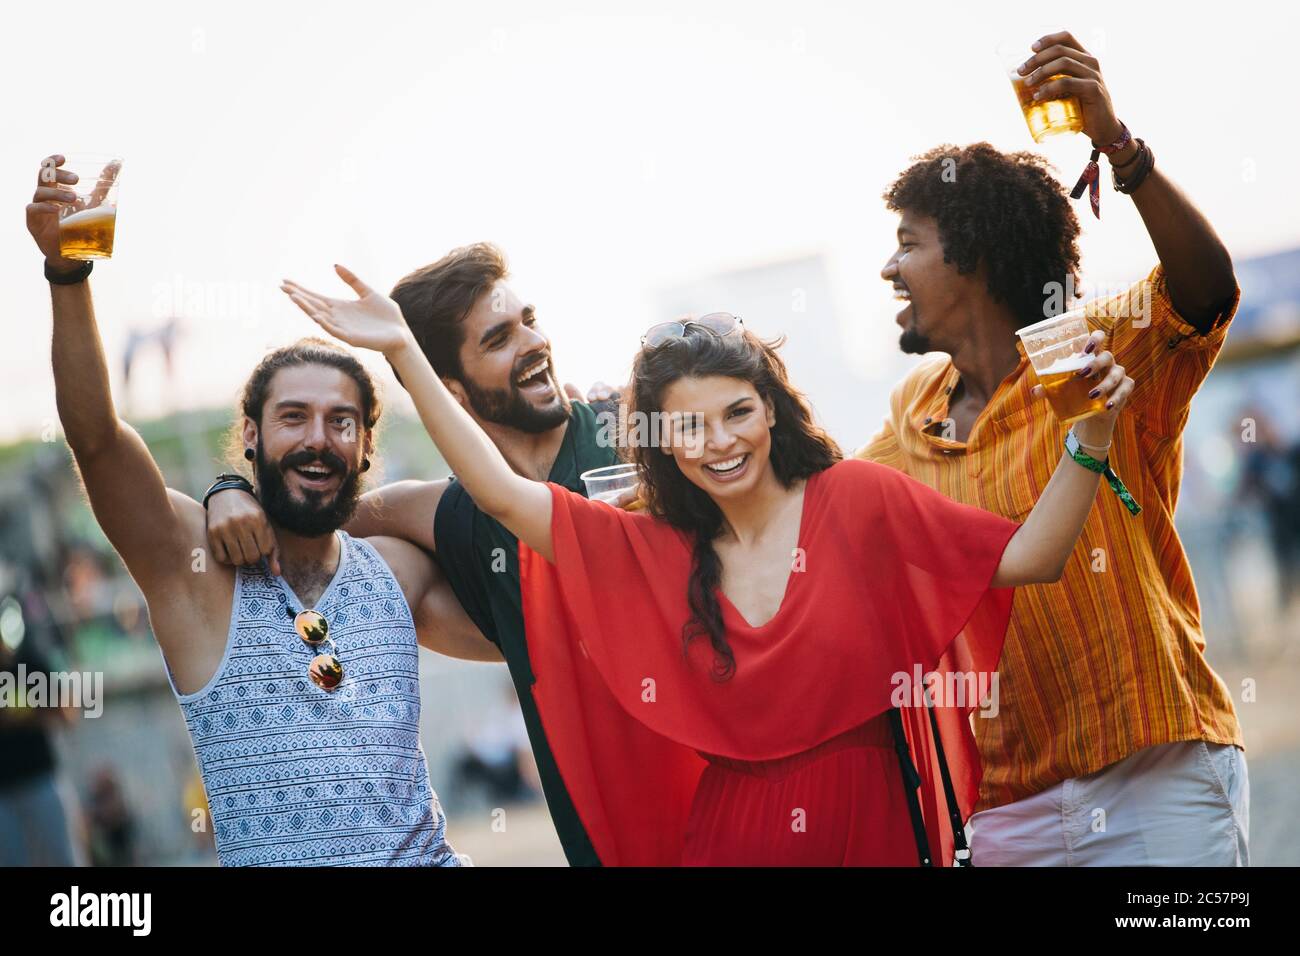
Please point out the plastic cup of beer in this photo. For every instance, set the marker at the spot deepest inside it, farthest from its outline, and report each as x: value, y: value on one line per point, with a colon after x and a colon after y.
x: 86, y: 226
x: 1043, y: 117
x: 611, y: 484
x: 1056, y: 351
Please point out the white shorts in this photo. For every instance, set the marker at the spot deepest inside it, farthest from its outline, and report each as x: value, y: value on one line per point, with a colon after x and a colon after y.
x: 1179, y: 804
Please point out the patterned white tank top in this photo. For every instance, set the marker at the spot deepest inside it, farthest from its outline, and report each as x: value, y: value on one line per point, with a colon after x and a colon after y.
x: 298, y: 776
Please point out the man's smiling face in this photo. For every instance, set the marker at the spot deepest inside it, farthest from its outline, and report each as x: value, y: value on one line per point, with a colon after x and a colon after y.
x: 931, y: 288
x: 506, y: 363
x: 309, y: 447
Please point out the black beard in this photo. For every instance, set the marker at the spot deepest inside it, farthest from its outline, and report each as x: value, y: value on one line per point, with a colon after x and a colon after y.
x: 313, y: 517
x: 508, y: 407
x: 913, y: 342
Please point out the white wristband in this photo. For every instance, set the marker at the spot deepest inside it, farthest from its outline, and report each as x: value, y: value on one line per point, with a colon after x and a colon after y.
x: 1092, y: 448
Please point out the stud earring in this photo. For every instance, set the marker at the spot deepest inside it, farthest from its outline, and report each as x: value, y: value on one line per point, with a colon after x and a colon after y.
x: 250, y: 454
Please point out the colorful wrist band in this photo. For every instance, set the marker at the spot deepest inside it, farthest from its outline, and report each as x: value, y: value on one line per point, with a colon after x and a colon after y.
x: 1124, y: 139
x: 1091, y: 178
x: 1074, y: 450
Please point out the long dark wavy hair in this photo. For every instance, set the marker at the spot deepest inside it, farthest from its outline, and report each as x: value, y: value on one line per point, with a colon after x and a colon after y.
x: 799, y: 448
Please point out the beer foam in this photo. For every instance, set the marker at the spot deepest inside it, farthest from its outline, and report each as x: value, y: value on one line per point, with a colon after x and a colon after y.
x: 1067, y: 363
x: 89, y: 215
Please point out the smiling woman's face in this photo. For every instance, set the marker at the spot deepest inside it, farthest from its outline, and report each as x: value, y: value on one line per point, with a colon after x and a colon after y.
x: 721, y: 431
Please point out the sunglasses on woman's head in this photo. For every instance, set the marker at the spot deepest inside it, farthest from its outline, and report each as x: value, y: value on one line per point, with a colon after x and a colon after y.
x: 324, y: 670
x: 719, y: 323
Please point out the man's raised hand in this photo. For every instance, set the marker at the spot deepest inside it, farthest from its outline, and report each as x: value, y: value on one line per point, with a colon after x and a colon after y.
x: 53, y: 192
x: 1077, y: 74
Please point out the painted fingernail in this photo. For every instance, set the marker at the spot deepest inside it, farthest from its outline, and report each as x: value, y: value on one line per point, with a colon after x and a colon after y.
x: 1085, y: 371
x: 1110, y: 404
x: 1094, y: 393
x: 1089, y: 348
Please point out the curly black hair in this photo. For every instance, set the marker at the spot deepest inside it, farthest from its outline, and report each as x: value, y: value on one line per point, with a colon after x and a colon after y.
x: 1005, y: 209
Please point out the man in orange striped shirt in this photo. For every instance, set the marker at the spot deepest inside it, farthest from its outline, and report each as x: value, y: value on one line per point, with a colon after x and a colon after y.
x: 1114, y: 742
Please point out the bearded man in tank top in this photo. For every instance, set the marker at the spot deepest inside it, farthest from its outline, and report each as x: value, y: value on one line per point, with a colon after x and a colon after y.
x: 297, y: 677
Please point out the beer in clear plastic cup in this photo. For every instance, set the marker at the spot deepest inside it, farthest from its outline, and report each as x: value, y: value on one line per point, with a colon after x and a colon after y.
x: 1043, y: 117
x: 612, y: 484
x: 1056, y: 351
x: 87, y: 226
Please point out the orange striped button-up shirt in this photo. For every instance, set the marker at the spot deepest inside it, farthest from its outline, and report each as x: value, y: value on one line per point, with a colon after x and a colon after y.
x: 1110, y: 659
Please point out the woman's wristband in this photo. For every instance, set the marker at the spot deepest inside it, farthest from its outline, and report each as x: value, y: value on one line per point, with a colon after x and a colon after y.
x: 1074, y: 448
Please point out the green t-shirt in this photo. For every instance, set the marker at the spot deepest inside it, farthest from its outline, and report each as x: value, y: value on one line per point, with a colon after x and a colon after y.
x: 481, y: 561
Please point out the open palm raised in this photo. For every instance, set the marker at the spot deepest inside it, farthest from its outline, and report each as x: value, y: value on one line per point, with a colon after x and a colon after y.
x: 372, y: 321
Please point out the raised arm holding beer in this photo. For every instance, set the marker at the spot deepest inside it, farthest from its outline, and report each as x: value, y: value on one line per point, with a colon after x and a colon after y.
x: 1196, y: 263
x: 314, y: 645
x: 1108, y: 702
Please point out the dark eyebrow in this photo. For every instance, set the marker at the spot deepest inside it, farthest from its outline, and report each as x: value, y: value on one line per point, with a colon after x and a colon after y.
x: 494, y: 331
x: 692, y: 417
x: 290, y: 403
x: 527, y: 313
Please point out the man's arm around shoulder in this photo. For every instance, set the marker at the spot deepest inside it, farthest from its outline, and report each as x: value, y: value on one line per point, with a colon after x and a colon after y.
x: 440, y: 622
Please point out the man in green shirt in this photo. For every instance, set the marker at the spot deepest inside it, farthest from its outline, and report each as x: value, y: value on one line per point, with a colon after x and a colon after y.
x: 486, y: 345
x: 481, y: 561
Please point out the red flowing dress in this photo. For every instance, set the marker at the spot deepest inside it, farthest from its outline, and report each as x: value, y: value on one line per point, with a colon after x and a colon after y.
x: 791, y: 760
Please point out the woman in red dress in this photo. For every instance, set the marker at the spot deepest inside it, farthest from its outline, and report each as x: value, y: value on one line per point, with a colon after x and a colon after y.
x: 730, y: 677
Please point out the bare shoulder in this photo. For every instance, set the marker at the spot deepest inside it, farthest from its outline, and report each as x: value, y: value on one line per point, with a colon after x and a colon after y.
x: 190, y: 605
x: 194, y: 569
x: 189, y: 513
x: 413, y: 567
x: 183, y: 553
x: 397, y: 551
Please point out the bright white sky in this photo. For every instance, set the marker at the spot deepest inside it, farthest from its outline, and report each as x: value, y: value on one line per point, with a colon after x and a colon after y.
x: 612, y: 149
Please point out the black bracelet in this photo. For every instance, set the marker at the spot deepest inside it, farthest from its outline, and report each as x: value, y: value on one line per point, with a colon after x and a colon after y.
x: 80, y: 274
x: 1137, y: 154
x: 226, y: 481
x: 1146, y: 161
